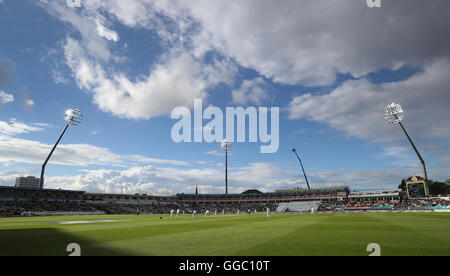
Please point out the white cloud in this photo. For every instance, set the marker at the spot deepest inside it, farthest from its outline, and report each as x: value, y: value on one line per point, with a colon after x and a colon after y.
x: 356, y: 107
x: 266, y: 177
x: 85, y: 23
x: 17, y: 150
x: 251, y: 91
x: 169, y: 181
x: 289, y: 42
x: 32, y: 152
x: 77, y: 155
x: 5, y: 98
x: 147, y: 160
x: 29, y: 102
x: 14, y: 128
x: 308, y: 42
x: 215, y: 153
x: 106, y: 33
x: 176, y: 80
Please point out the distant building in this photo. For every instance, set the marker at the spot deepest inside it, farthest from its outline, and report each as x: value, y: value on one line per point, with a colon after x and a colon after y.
x: 28, y: 182
x: 252, y: 192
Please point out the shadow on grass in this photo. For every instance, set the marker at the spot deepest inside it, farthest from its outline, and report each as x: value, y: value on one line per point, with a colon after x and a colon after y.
x: 48, y: 242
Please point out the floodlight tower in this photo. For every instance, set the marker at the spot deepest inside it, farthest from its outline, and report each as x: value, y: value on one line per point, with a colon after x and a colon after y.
x: 73, y: 117
x: 226, y: 146
x: 303, y: 169
x: 394, y: 114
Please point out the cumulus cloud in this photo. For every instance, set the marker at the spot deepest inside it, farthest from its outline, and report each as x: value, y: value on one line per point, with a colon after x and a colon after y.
x: 175, y: 80
x: 290, y: 42
x: 5, y: 98
x: 106, y: 33
x: 356, y: 107
x: 87, y: 24
x: 308, y: 42
x: 14, y: 128
x: 29, y: 102
x: 169, y: 181
x: 266, y: 177
x: 32, y: 152
x: 251, y: 91
x: 18, y: 150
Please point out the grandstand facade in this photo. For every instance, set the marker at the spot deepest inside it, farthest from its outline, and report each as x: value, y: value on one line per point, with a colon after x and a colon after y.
x: 16, y: 201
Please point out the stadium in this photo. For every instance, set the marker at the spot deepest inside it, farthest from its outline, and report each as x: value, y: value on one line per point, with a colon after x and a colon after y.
x: 234, y: 130
x: 323, y: 221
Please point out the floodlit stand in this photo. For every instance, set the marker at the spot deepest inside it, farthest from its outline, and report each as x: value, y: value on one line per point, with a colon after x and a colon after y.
x: 226, y: 146
x: 73, y: 118
x: 393, y: 114
x: 303, y: 169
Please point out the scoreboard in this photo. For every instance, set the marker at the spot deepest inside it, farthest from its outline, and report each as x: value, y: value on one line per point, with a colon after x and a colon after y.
x: 416, y: 189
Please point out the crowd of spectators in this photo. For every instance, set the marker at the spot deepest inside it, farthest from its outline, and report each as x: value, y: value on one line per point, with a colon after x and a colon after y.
x: 128, y: 209
x: 369, y: 204
x: 421, y: 203
x: 19, y: 206
x: 230, y: 207
x: 328, y: 206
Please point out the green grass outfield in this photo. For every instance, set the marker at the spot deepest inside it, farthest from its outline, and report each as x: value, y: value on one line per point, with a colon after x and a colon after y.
x: 244, y: 235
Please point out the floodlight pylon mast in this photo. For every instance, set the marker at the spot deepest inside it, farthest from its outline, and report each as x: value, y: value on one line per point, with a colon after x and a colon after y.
x: 73, y: 118
x: 303, y: 169
x: 41, y: 180
x: 226, y: 146
x: 418, y: 154
x: 393, y: 113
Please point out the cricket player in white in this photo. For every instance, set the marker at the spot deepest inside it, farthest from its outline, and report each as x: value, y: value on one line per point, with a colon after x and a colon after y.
x: 194, y: 214
x: 178, y: 214
x: 312, y: 211
x: 215, y: 213
x: 206, y: 213
x: 268, y: 213
x: 171, y: 213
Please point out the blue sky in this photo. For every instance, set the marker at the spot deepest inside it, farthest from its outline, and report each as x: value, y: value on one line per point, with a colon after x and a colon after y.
x: 330, y: 68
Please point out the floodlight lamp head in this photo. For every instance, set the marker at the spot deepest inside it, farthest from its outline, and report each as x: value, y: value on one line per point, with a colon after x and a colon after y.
x: 73, y: 117
x: 226, y: 145
x: 393, y: 113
